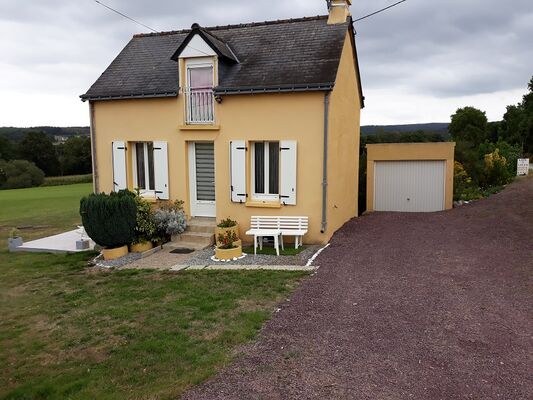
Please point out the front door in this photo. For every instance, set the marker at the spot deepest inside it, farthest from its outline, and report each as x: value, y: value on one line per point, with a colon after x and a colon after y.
x: 202, y: 179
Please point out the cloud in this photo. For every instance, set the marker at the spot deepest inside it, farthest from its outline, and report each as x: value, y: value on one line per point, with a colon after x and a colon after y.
x: 419, y: 61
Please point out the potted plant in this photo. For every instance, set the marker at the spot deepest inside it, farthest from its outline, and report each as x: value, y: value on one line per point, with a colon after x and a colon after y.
x: 224, y: 226
x: 229, y: 246
x: 110, y: 221
x: 145, y: 228
x: 170, y: 220
x: 14, y: 240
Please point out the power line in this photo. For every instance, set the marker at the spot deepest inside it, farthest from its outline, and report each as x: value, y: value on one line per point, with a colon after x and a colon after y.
x: 378, y: 11
x: 140, y: 23
x: 125, y: 16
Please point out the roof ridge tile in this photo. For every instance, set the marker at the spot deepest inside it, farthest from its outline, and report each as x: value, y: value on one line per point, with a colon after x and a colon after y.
x: 234, y: 26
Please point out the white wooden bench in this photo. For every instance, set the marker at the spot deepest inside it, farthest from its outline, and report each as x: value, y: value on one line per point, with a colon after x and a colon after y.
x: 278, y: 227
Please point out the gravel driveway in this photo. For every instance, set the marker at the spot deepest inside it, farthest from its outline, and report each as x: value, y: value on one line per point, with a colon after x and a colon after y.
x: 404, y: 306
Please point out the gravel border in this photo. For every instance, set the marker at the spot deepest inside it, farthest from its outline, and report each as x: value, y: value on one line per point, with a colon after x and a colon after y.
x: 203, y: 257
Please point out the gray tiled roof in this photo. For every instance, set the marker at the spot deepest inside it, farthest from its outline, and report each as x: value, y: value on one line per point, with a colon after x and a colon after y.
x: 289, y: 54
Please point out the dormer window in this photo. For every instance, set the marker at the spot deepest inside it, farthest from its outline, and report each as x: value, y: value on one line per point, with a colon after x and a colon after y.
x: 197, y: 54
x: 199, y: 91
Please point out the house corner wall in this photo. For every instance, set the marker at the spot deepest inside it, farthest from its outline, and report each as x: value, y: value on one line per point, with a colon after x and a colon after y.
x: 344, y: 139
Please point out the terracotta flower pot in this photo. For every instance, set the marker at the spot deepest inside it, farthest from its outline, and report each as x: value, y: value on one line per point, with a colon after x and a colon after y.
x: 228, y: 254
x: 223, y: 231
x: 141, y: 247
x: 112, y: 254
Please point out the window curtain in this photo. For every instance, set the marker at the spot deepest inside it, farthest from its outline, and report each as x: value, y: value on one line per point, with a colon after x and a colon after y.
x: 141, y: 179
x: 259, y: 153
x: 151, y: 175
x: 273, y: 168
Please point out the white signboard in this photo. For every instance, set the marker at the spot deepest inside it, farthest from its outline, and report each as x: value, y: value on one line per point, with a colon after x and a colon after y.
x: 522, y: 167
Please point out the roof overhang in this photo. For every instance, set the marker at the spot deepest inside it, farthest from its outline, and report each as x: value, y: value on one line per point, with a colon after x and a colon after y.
x: 274, y: 89
x: 84, y: 97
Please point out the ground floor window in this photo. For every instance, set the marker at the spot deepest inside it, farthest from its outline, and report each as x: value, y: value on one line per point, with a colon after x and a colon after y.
x: 265, y: 170
x: 143, y: 167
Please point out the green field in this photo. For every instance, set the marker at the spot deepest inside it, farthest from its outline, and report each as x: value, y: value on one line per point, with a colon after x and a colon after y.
x: 72, y: 332
x: 40, y: 211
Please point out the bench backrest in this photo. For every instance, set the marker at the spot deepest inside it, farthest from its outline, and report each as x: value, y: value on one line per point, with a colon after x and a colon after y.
x: 296, y: 223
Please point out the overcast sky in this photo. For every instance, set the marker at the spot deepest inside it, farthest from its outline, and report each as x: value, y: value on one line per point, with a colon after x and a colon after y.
x: 419, y: 61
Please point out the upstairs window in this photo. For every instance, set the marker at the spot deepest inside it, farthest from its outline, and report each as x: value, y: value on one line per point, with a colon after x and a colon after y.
x: 199, y: 93
x: 265, y: 170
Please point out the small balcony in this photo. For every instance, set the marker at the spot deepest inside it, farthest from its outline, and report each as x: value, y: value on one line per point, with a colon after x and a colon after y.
x: 200, y: 106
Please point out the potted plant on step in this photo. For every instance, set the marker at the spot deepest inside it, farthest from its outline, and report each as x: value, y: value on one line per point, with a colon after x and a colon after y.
x: 110, y: 221
x: 14, y: 240
x: 145, y: 229
x: 229, y: 246
x: 224, y: 226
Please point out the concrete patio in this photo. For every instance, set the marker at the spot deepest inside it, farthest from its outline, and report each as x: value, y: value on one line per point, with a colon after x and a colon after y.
x: 61, y: 243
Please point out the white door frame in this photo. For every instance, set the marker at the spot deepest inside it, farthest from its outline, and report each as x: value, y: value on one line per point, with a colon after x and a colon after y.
x: 199, y: 208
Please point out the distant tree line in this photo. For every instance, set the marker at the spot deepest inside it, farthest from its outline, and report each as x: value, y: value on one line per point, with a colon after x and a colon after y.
x: 17, y: 134
x: 27, y: 161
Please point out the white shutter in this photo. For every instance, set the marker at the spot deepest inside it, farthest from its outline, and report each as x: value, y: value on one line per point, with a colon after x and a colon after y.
x: 119, y: 166
x: 238, y: 171
x: 161, y: 170
x: 288, y: 175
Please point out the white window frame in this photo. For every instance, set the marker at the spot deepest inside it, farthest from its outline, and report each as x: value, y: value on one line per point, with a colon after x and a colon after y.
x: 142, y: 192
x: 200, y: 62
x: 264, y: 196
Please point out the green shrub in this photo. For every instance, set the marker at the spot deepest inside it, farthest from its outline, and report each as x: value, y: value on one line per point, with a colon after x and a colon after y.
x: 496, y: 169
x: 145, y: 229
x: 17, y: 174
x: 503, y: 170
x: 463, y: 187
x: 227, y: 223
x: 110, y: 220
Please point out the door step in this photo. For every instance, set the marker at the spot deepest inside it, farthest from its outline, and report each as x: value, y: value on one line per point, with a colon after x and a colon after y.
x: 185, y: 245
x: 200, y: 233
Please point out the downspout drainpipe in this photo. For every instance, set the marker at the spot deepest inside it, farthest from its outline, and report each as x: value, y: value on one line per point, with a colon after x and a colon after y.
x: 96, y: 189
x: 325, y: 165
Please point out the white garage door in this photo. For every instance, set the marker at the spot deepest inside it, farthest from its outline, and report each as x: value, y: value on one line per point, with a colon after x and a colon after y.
x: 411, y: 186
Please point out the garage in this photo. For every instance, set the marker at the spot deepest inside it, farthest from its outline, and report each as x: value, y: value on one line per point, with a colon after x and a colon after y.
x: 410, y: 177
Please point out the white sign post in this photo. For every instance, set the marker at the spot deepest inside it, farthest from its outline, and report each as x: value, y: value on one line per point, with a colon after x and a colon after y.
x: 522, y: 168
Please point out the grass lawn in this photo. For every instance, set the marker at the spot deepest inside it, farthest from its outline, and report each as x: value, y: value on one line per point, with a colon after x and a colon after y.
x: 271, y: 251
x: 42, y: 211
x: 69, y: 332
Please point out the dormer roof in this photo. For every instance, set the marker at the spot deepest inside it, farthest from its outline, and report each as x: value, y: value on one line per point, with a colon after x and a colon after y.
x: 222, y: 49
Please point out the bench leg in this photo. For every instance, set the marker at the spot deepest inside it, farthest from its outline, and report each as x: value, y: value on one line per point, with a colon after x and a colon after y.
x: 276, y: 244
x: 255, y: 245
x: 296, y: 242
x: 261, y: 243
x: 282, y: 245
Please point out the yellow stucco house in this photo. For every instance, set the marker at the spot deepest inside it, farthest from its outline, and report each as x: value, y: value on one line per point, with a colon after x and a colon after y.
x: 238, y: 120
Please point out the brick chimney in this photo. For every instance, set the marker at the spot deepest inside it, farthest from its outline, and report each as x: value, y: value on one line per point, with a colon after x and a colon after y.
x: 339, y: 10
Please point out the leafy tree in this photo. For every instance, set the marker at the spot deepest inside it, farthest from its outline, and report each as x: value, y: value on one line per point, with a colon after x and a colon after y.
x: 7, y: 150
x: 517, y: 126
x: 75, y: 156
x: 469, y: 124
x: 18, y: 174
x: 38, y: 148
